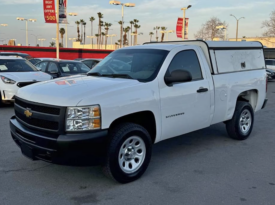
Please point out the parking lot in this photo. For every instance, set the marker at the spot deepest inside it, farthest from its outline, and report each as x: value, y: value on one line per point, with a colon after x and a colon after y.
x: 203, y: 167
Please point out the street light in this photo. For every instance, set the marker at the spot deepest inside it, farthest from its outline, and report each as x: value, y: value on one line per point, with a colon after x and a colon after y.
x: 30, y: 20
x: 4, y: 25
x: 223, y: 28
x: 170, y: 31
x: 111, y: 35
x: 237, y: 30
x: 35, y: 37
x: 183, y: 23
x: 70, y: 14
x: 42, y: 39
x: 72, y: 39
x: 117, y: 3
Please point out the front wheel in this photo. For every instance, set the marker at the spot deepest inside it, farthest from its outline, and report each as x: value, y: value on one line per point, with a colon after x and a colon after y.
x: 241, y: 125
x: 129, y: 153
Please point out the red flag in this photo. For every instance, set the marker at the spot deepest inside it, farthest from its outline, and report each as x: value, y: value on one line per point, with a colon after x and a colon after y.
x: 49, y: 11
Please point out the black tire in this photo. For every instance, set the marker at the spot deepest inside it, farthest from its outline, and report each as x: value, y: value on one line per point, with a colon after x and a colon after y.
x: 233, y: 127
x: 119, y: 136
x: 1, y: 103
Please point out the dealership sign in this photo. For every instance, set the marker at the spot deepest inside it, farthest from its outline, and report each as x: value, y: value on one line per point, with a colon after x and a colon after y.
x: 179, y: 28
x: 49, y: 11
x: 63, y: 12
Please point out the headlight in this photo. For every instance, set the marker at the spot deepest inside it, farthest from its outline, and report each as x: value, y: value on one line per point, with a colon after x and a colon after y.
x: 7, y: 80
x: 83, y: 118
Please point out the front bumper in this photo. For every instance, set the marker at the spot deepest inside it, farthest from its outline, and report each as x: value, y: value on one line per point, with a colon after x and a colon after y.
x: 8, y: 95
x: 69, y: 149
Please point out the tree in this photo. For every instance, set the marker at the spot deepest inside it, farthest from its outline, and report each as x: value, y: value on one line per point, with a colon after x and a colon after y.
x: 107, y: 27
x: 125, y: 40
x: 84, y: 24
x: 162, y: 35
x: 209, y: 31
x: 92, y: 28
x: 62, y: 32
x: 97, y: 39
x: 52, y: 44
x: 102, y: 40
x: 121, y: 32
x: 151, y: 34
x: 136, y: 26
x: 81, y: 23
x: 132, y: 23
x: 157, y: 28
x: 100, y: 16
x: 78, y: 34
x: 269, y: 25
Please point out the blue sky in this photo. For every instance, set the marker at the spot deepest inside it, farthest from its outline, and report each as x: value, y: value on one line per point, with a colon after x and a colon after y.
x: 150, y: 13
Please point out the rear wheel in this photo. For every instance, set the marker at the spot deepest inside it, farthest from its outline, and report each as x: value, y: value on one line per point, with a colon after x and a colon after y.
x: 129, y: 153
x: 241, y: 125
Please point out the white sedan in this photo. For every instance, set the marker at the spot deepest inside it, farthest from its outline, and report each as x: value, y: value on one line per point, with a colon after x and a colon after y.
x: 16, y: 73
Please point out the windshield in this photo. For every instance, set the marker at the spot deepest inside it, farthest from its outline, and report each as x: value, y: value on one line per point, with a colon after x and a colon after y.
x: 73, y: 68
x: 140, y: 64
x: 16, y: 66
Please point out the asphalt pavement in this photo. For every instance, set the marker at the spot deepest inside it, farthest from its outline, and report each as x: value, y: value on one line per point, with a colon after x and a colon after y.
x: 203, y: 167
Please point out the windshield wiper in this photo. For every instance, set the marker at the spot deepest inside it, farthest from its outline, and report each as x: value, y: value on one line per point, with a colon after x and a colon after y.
x: 110, y: 75
x: 118, y: 76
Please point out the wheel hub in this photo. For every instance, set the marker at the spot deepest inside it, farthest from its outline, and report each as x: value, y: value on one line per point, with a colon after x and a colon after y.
x: 245, y: 121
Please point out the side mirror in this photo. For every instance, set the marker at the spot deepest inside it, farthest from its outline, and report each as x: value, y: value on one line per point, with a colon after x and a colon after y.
x: 178, y: 76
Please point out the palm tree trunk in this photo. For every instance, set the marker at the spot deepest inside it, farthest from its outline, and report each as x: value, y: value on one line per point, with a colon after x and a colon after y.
x: 121, y: 35
x: 131, y: 35
x: 92, y: 34
x: 136, y: 37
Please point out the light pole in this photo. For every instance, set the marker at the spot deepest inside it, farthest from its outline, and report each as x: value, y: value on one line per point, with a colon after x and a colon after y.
x: 70, y: 14
x: 183, y: 23
x: 167, y: 32
x: 135, y: 34
x: 72, y: 39
x: 23, y: 19
x: 237, y: 30
x: 111, y: 35
x: 42, y: 39
x: 122, y: 14
x: 35, y: 37
x: 223, y: 28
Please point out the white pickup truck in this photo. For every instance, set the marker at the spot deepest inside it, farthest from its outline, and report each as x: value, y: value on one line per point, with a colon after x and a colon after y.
x: 138, y: 96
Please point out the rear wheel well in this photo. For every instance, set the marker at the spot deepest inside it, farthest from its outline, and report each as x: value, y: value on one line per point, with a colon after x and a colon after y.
x: 250, y: 96
x: 145, y: 119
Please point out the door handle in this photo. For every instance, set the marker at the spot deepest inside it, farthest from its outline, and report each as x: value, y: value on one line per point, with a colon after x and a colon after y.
x: 202, y: 90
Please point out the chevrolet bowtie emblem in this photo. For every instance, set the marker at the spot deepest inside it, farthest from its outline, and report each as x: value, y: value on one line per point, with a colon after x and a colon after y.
x: 27, y: 113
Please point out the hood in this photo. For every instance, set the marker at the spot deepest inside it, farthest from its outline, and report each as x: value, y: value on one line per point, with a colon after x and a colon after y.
x: 26, y: 76
x: 69, y: 91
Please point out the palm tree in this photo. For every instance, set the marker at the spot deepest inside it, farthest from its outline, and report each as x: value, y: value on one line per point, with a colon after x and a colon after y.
x: 151, y: 34
x: 132, y: 23
x: 135, y: 37
x: 157, y: 28
x: 136, y: 32
x: 84, y: 24
x: 162, y: 35
x: 107, y: 27
x: 116, y: 45
x: 92, y: 28
x: 97, y: 39
x: 52, y: 44
x: 128, y: 32
x: 125, y: 41
x: 78, y: 34
x: 62, y: 32
x: 81, y: 22
x: 102, y: 41
x: 121, y: 32
x: 100, y: 16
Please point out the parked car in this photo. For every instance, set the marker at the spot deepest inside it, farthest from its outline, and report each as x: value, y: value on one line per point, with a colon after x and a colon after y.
x: 62, y: 68
x: 90, y: 62
x: 23, y: 55
x: 16, y: 73
x: 270, y: 64
x: 270, y: 74
x: 35, y: 61
x: 163, y: 91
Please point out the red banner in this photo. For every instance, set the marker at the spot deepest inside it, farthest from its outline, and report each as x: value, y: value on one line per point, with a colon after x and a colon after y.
x: 179, y: 28
x: 49, y: 11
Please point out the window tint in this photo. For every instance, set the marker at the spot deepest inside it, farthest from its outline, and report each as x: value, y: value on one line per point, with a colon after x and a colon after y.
x: 73, y: 68
x: 188, y: 61
x: 268, y: 62
x: 42, y: 66
x: 52, y: 67
x: 34, y: 61
x: 16, y: 66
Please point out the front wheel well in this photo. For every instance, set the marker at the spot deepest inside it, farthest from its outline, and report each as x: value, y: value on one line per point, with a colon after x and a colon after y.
x: 145, y: 119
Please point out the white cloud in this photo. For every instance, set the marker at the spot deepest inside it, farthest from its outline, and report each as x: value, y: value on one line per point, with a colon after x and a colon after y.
x: 20, y: 1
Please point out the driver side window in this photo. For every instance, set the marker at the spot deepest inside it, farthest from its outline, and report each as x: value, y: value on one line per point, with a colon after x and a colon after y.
x: 52, y: 67
x: 42, y: 66
x: 188, y: 61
